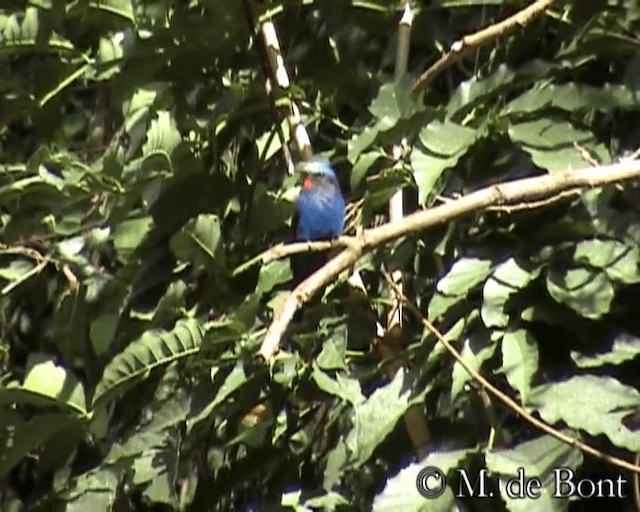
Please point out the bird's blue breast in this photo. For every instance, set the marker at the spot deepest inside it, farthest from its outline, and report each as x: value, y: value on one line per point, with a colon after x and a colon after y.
x: 321, y: 214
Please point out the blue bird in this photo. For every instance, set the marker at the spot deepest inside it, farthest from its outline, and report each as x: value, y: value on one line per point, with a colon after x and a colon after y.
x: 319, y: 215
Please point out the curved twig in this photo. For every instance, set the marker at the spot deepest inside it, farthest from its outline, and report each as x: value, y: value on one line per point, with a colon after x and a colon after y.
x: 471, y: 42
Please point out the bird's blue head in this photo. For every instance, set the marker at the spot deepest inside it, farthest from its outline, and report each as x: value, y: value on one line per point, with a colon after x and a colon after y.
x: 316, y: 173
x: 320, y: 207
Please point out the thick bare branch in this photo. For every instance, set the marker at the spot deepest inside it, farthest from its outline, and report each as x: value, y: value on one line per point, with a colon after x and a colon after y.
x: 279, y: 72
x: 510, y: 193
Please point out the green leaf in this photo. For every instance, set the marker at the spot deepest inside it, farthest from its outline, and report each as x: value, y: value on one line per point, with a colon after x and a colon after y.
x: 328, y: 501
x: 392, y: 104
x: 441, y: 147
x: 597, y: 405
x: 626, y: 347
x: 463, y: 276
x: 539, y: 456
x: 121, y: 8
x: 136, y: 110
x: 16, y: 269
x: 103, y: 330
x: 269, y: 143
x: 229, y: 384
x: 110, y: 51
x: 362, y: 141
x: 361, y: 166
x: 475, y: 352
x: 374, y: 419
x: 162, y: 136
x: 47, y: 380
x: 471, y: 91
x: 507, y: 279
x: 385, y: 106
x: 344, y: 388
x: 550, y: 142
x: 587, y: 292
x: 18, y: 439
x: 548, y: 133
x: 573, y: 97
x: 197, y: 242
x: 20, y: 34
x: 152, y: 350
x: 619, y: 261
x: 540, y: 459
x: 447, y: 138
x: 129, y: 234
x: 401, y: 491
x: 93, y: 490
x: 334, y: 349
x: 171, y: 305
x: 520, y: 360
x: 272, y: 274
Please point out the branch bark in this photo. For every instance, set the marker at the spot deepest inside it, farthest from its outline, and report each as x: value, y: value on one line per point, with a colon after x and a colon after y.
x: 469, y: 43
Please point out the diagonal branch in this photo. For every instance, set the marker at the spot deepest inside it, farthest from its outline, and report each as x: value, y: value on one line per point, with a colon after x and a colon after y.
x: 292, y: 112
x: 504, y: 194
x: 507, y: 400
x: 469, y: 43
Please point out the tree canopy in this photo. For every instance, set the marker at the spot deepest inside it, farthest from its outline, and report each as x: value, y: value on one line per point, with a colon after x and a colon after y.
x: 145, y: 150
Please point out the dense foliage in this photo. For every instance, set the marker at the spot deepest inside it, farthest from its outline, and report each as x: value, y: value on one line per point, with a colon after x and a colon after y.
x: 141, y: 164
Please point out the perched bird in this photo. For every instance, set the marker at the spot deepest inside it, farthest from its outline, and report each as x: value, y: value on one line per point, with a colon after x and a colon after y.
x: 319, y: 215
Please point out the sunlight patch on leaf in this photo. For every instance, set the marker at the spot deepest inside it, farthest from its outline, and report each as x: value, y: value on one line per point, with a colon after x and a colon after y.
x: 550, y: 142
x: 626, y: 347
x: 507, y: 279
x: 464, y: 275
x: 594, y: 404
x: 520, y: 360
x: 619, y: 261
x: 538, y: 458
x: 441, y: 147
x: 401, y: 493
x: 587, y: 292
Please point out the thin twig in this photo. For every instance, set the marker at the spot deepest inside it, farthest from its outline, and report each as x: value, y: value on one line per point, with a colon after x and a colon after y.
x: 532, y: 205
x: 585, y: 155
x: 24, y: 277
x: 507, y: 400
x: 469, y: 43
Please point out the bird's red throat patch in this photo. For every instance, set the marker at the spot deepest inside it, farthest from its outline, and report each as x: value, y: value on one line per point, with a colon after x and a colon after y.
x: 307, y: 183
